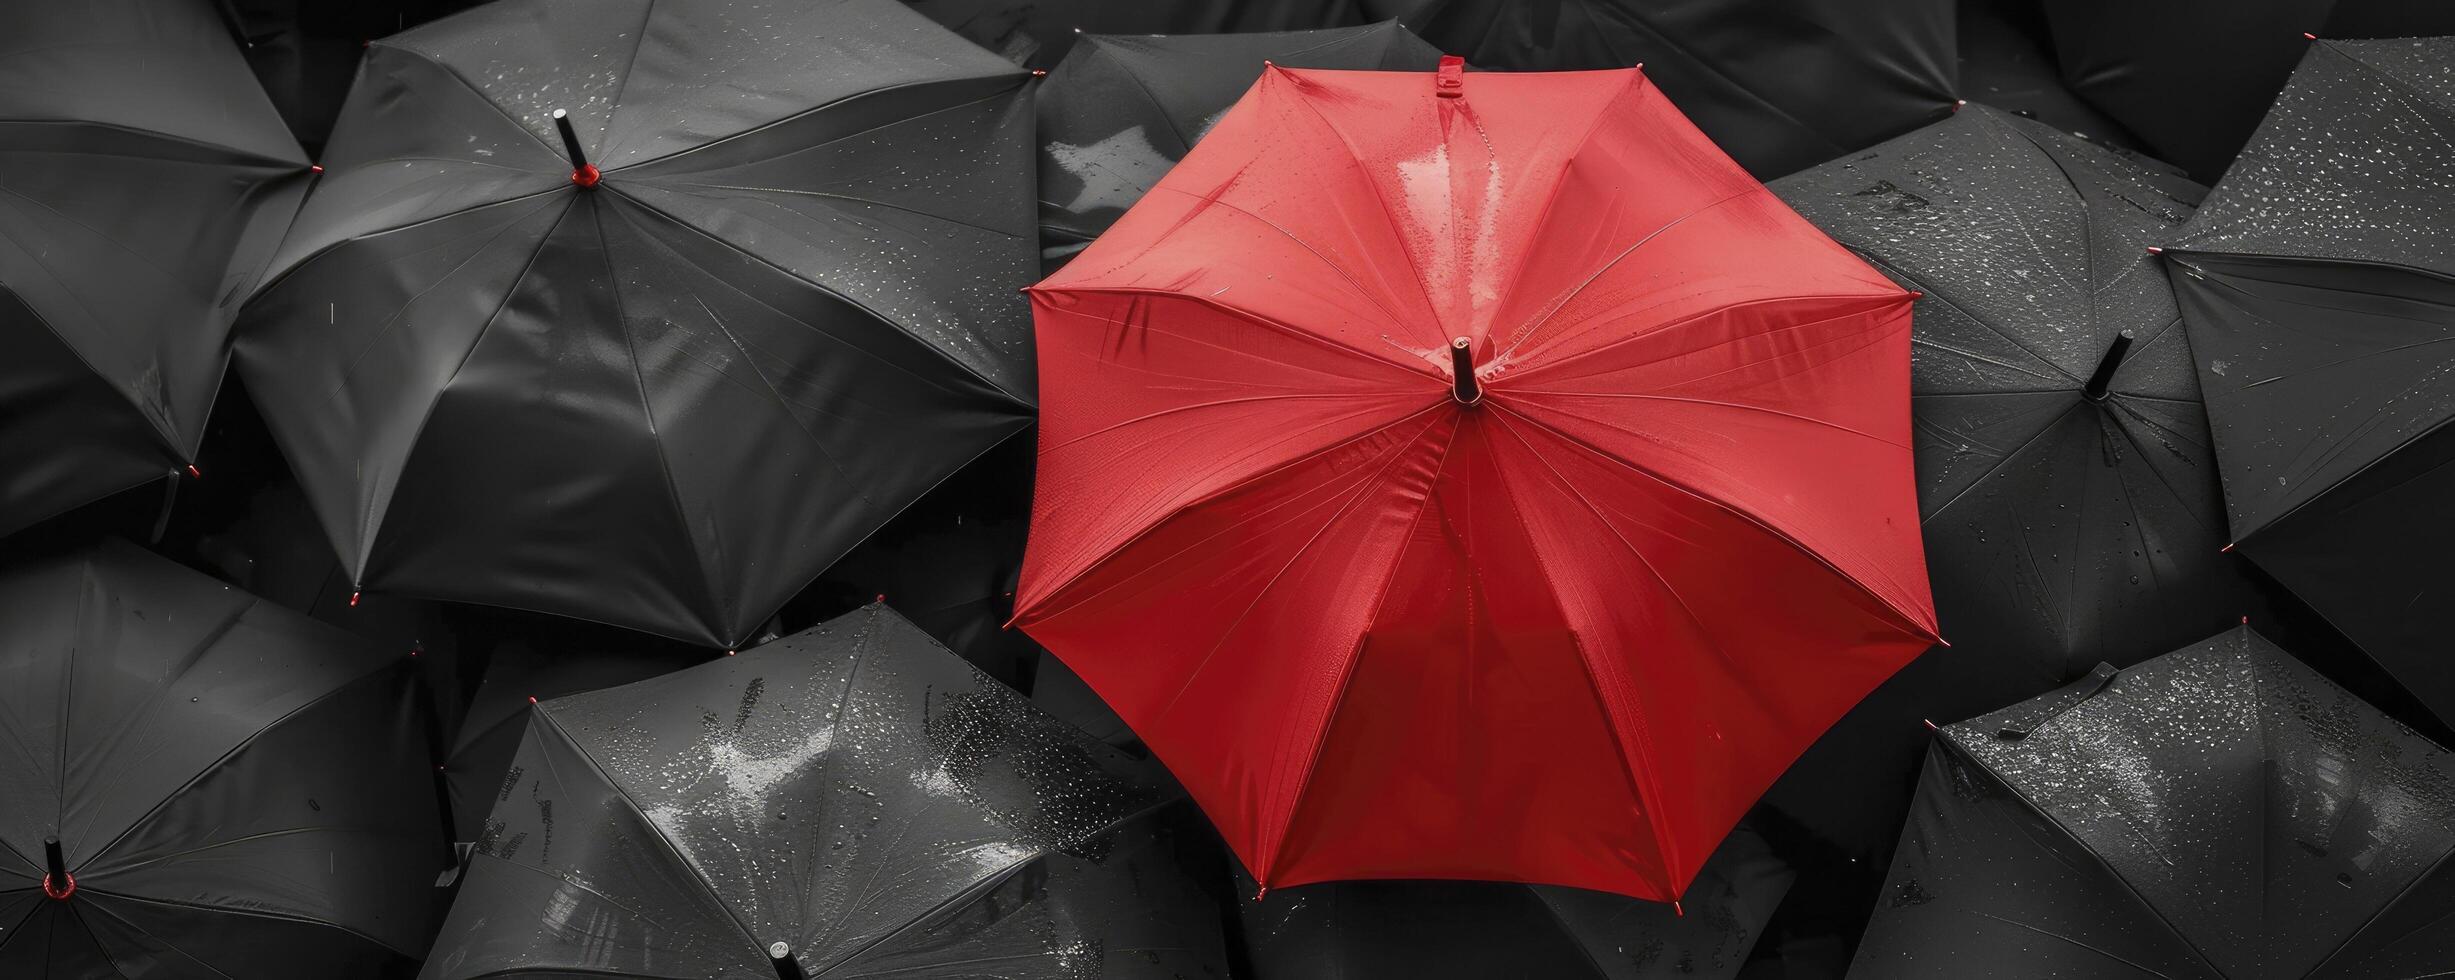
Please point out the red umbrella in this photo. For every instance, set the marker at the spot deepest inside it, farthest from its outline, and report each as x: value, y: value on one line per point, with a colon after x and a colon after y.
x: 1557, y: 619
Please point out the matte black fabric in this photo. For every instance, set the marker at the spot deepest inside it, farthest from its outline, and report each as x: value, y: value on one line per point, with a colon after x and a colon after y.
x: 240, y: 791
x: 144, y: 183
x: 2318, y: 285
x: 1472, y: 929
x: 517, y: 677
x: 1042, y: 33
x: 669, y: 400
x: 853, y: 791
x: 2060, y: 531
x: 2191, y: 77
x: 1121, y: 110
x: 2219, y: 812
x: 305, y: 52
x: 1779, y: 84
x: 2005, y: 62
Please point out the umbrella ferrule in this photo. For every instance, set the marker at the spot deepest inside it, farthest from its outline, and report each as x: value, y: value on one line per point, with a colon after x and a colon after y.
x: 780, y: 955
x: 1463, y: 384
x: 58, y: 884
x: 2102, y: 382
x: 1450, y: 81
x: 583, y: 172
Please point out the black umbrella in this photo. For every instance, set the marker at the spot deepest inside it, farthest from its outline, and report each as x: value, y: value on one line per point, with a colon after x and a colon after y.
x: 2318, y: 284
x: 2221, y: 811
x: 1121, y: 109
x: 849, y: 801
x: 144, y: 183
x: 196, y: 783
x: 1480, y: 929
x: 2191, y: 77
x: 1780, y: 84
x: 517, y: 676
x: 1041, y: 33
x: 646, y: 312
x: 2069, y: 501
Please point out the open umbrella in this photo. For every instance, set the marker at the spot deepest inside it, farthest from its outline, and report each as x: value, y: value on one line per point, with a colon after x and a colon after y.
x: 2318, y: 285
x: 1779, y: 84
x: 1122, y: 109
x: 196, y: 783
x: 2191, y: 77
x: 2221, y: 811
x: 1436, y: 508
x: 2068, y: 498
x: 645, y: 312
x: 849, y: 801
x: 1041, y: 33
x: 1477, y: 929
x: 144, y: 183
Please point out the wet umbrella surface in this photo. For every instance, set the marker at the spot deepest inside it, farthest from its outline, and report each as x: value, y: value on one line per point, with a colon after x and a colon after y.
x: 2219, y: 812
x: 660, y: 364
x: 2068, y: 496
x: 233, y: 790
x: 1042, y: 33
x: 1470, y: 930
x: 144, y: 182
x: 2318, y: 285
x: 1121, y: 110
x: 1433, y: 509
x: 850, y: 801
x: 1778, y: 84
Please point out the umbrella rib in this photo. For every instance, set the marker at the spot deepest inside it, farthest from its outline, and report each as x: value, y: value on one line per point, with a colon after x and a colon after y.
x: 716, y: 609
x: 239, y: 157
x: 2064, y: 939
x: 91, y: 908
x: 551, y: 150
x: 1553, y: 365
x: 1355, y: 655
x: 2003, y: 460
x: 320, y: 253
x: 250, y: 913
x: 179, y: 668
x: 1551, y: 198
x: 958, y: 222
x: 2142, y: 448
x: 385, y: 328
x: 1257, y: 319
x: 840, y: 297
x: 1050, y: 594
x: 1017, y: 77
x: 1565, y: 299
x: 1184, y: 144
x: 639, y: 39
x: 1906, y: 621
x: 2088, y: 224
x: 369, y: 518
x: 1356, y: 159
x: 1647, y: 396
x: 1928, y: 292
x: 1352, y: 283
x: 2444, y: 860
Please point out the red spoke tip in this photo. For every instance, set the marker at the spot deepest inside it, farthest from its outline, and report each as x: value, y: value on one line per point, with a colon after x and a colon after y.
x: 195, y: 473
x: 353, y: 600
x: 1678, y: 910
x: 587, y: 175
x: 2155, y: 250
x: 729, y: 653
x: 1039, y: 73
x: 532, y: 699
x: 2307, y: 36
x: 1930, y: 725
x: 1959, y: 104
x: 61, y: 893
x: 882, y: 597
x: 2225, y: 550
x: 2245, y: 620
x: 315, y: 168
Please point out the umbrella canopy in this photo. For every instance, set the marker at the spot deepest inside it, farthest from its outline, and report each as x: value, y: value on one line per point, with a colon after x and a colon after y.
x: 518, y: 676
x: 852, y: 800
x: 1779, y: 84
x: 1476, y: 929
x: 144, y: 183
x: 198, y: 783
x: 664, y: 387
x: 2191, y: 77
x: 1042, y: 33
x: 1402, y: 478
x: 2067, y: 494
x: 2221, y: 811
x: 2318, y: 285
x: 1123, y: 109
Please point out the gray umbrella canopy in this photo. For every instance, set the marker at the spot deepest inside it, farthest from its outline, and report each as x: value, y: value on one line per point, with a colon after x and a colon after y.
x: 2318, y: 286
x: 2219, y: 812
x: 849, y: 801
x: 235, y: 790
x: 144, y: 183
x: 664, y: 384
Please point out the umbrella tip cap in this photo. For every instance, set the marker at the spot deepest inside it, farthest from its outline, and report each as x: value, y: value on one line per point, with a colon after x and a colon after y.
x: 1449, y: 82
x: 2307, y: 36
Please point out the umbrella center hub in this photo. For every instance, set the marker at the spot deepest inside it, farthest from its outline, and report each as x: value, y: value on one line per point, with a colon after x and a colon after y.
x: 59, y: 890
x: 586, y: 176
x: 1464, y: 386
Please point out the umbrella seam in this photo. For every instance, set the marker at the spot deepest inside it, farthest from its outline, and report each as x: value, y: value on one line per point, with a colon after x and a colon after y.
x: 1239, y: 313
x: 244, y: 913
x: 1098, y: 47
x: 242, y: 157
x: 1542, y: 219
x: 552, y: 151
x: 1014, y: 75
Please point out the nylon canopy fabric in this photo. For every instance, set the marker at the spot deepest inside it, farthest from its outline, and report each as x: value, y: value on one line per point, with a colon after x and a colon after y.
x: 1669, y: 538
x: 2219, y: 812
x: 852, y: 799
x: 1122, y: 109
x: 237, y: 790
x: 779, y: 307
x: 144, y: 183
x: 2318, y: 285
x: 1778, y: 84
x: 2193, y: 77
x: 517, y: 676
x: 2061, y: 528
x: 1470, y: 930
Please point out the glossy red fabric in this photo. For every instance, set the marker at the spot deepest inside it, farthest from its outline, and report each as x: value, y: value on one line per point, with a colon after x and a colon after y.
x: 1566, y: 635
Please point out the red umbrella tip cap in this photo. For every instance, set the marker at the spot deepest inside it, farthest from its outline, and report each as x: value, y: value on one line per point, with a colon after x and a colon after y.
x: 587, y: 175
x: 315, y: 168
x: 2307, y: 36
x: 353, y: 600
x: 1450, y: 81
